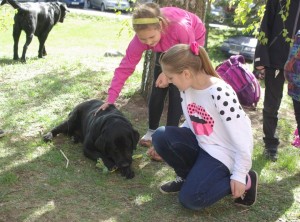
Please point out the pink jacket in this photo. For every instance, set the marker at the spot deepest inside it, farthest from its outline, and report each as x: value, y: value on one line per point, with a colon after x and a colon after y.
x: 184, y: 27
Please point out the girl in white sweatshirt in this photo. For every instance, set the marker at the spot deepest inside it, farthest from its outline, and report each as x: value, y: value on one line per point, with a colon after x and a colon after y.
x: 211, y: 152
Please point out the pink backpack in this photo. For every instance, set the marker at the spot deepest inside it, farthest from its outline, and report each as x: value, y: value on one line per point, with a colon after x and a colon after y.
x: 243, y: 81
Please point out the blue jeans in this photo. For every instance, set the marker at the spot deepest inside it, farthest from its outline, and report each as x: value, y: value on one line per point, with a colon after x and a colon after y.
x: 207, y: 180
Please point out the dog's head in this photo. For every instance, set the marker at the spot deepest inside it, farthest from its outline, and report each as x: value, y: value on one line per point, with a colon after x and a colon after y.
x: 117, y: 142
x: 63, y: 10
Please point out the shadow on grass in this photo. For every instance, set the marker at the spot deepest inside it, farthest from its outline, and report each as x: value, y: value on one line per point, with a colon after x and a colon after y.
x: 7, y: 61
x: 275, y: 199
x: 11, y: 61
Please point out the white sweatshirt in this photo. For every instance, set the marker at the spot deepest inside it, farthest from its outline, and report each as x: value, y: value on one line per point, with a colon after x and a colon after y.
x: 221, y: 126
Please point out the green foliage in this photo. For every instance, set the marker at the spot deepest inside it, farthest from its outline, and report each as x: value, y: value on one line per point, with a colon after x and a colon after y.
x: 262, y: 37
x: 251, y: 17
x: 284, y: 12
x: 126, y: 27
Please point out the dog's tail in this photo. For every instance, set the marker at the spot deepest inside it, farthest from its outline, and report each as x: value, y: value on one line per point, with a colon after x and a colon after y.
x: 13, y: 3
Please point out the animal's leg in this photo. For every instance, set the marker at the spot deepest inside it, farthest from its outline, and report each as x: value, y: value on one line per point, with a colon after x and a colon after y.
x: 127, y: 172
x: 16, y: 36
x: 92, y: 153
x: 29, y: 38
x: 42, y: 49
x: 68, y: 127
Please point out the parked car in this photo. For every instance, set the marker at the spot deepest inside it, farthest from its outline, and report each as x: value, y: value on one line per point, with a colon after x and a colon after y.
x: 74, y: 3
x: 22, y: 1
x: 105, y: 5
x: 240, y: 45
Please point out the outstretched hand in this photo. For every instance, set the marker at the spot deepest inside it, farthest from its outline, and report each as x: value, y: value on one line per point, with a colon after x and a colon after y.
x: 237, y: 188
x: 104, y: 106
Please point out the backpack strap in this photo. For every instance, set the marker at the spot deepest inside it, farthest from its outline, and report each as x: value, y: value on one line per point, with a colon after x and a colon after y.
x: 294, y: 29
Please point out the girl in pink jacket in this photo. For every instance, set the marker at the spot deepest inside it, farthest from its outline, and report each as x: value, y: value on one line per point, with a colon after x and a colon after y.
x: 156, y: 29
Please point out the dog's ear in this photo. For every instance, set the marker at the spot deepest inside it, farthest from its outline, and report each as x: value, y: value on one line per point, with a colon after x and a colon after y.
x: 64, y: 7
x: 135, y: 138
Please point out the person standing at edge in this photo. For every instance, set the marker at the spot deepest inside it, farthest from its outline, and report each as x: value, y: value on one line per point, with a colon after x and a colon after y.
x: 270, y: 59
x: 156, y: 29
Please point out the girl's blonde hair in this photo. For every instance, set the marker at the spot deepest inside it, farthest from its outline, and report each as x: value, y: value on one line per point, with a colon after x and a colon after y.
x: 148, y: 10
x: 180, y: 57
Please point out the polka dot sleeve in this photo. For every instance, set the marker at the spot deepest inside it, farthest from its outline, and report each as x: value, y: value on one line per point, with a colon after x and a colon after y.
x: 227, y: 103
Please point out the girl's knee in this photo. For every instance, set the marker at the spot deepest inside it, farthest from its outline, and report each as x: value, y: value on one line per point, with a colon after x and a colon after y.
x: 191, y: 202
x: 158, y: 135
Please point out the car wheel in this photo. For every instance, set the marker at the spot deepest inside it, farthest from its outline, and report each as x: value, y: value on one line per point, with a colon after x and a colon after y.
x: 102, y: 8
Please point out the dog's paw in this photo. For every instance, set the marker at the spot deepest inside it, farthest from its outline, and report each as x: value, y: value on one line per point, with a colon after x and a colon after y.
x: 127, y: 172
x: 111, y: 166
x: 48, y: 137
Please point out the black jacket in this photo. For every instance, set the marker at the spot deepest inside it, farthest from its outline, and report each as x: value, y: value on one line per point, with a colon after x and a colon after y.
x: 274, y: 54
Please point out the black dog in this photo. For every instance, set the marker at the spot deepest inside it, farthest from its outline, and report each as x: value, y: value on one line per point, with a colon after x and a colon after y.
x: 37, y: 19
x: 107, y: 135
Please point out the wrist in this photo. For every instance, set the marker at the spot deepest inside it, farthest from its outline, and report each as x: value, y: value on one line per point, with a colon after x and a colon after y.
x: 110, y: 101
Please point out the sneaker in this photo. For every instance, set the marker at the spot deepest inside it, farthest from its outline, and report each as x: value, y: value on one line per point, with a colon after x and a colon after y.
x: 271, y: 154
x: 249, y: 197
x: 2, y: 133
x: 296, y: 142
x: 296, y: 132
x: 172, y: 186
x: 146, y: 140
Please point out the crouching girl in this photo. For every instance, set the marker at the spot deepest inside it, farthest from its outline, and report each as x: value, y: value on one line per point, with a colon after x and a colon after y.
x: 211, y: 152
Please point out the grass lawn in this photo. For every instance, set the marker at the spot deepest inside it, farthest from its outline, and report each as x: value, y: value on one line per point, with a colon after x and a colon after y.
x: 36, y: 184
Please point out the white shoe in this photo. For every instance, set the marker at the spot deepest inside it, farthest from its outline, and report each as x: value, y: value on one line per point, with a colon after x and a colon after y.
x: 146, y: 140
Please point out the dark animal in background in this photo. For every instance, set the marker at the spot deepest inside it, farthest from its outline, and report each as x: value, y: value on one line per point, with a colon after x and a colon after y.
x: 35, y: 18
x: 107, y: 135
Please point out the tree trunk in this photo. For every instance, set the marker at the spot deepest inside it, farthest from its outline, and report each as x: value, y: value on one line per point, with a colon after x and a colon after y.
x: 147, y: 77
x: 195, y: 6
